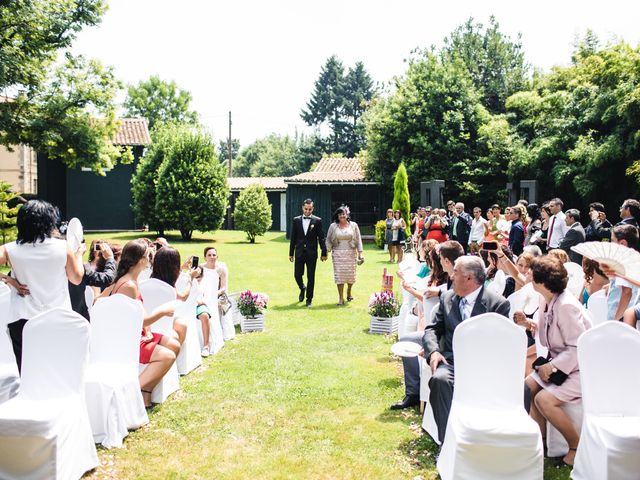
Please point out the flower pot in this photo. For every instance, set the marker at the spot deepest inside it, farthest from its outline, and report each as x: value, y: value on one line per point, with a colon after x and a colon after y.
x: 252, y: 324
x: 384, y: 325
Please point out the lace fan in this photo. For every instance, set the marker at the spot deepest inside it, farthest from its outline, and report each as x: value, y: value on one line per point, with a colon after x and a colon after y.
x: 623, y: 260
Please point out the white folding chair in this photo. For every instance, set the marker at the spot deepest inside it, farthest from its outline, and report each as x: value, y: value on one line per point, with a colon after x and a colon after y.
x: 576, y: 278
x: 155, y: 293
x: 597, y: 306
x: 189, y: 357
x: 112, y: 387
x: 44, y: 430
x: 610, y: 437
x: 489, y: 434
x: 236, y: 318
x: 428, y: 420
x: 226, y: 322
x: 9, y: 376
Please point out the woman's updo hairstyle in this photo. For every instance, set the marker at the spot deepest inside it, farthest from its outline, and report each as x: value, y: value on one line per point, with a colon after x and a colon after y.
x: 132, y: 252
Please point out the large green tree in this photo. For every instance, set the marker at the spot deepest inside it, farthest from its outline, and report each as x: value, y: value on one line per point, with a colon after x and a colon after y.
x: 192, y: 191
x: 65, y: 109
x: 275, y: 156
x: 159, y: 100
x: 578, y: 126
x: 495, y: 63
x: 337, y: 103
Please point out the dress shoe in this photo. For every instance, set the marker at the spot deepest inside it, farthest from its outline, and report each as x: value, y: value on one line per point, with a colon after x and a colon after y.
x: 408, y: 401
x: 308, y: 303
x: 301, y: 296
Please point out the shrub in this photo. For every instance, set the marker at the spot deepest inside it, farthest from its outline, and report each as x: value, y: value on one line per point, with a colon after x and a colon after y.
x: 401, y: 193
x: 8, y: 215
x: 383, y: 305
x: 381, y: 229
x: 252, y: 304
x: 253, y: 212
x: 192, y: 190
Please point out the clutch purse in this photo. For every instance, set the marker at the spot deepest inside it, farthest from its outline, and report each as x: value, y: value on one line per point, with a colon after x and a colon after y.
x: 360, y: 261
x: 558, y: 377
x: 224, y: 304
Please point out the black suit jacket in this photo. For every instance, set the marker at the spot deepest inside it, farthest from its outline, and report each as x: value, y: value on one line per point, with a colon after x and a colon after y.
x: 448, y: 317
x: 574, y: 236
x: 301, y: 244
x: 462, y: 230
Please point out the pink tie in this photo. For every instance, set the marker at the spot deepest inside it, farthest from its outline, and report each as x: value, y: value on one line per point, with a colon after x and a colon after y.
x: 553, y: 221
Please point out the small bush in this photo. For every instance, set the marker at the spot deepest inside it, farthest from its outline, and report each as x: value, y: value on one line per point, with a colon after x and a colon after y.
x: 253, y: 212
x: 381, y: 228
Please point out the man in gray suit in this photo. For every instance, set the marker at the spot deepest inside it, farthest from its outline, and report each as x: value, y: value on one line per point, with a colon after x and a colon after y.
x: 466, y: 299
x: 574, y: 235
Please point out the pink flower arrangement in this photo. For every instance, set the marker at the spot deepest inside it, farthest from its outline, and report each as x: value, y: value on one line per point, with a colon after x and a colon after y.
x: 384, y: 305
x: 252, y: 304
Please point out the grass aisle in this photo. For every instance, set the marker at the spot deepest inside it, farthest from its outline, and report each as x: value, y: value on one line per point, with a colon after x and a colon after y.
x: 306, y: 399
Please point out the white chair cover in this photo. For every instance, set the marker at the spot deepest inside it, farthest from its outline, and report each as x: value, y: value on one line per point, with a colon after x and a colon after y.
x: 189, y: 357
x: 557, y: 446
x: 597, y: 306
x: 145, y: 275
x: 489, y: 434
x: 155, y: 293
x: 428, y: 420
x: 4, y: 288
x: 112, y: 388
x: 610, y: 438
x: 233, y: 311
x: 226, y: 322
x: 9, y: 376
x: 576, y: 278
x: 89, y: 297
x: 44, y: 430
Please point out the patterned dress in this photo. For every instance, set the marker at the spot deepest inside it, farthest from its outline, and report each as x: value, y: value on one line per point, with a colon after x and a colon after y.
x: 344, y: 245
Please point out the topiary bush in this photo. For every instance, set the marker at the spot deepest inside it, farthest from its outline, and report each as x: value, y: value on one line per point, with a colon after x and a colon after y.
x: 381, y: 228
x: 253, y: 212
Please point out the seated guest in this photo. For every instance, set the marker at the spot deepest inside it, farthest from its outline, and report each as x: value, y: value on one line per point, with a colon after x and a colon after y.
x: 157, y: 351
x: 99, y: 272
x: 622, y: 294
x: 493, y: 261
x: 594, y: 279
x: 166, y: 267
x: 466, y: 299
x: 209, y: 291
x: 411, y: 366
x: 41, y: 267
x: 559, y: 254
x: 561, y: 322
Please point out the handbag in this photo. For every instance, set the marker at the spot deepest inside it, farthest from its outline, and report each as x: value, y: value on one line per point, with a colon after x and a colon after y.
x: 557, y: 377
x: 402, y: 236
x: 224, y: 304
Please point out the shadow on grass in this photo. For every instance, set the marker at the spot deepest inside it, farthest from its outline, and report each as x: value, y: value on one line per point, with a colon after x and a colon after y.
x: 387, y: 359
x: 421, y: 452
x: 391, y: 383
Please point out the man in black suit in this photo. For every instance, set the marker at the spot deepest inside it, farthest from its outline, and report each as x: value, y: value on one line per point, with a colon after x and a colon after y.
x: 306, y: 235
x: 574, y: 235
x: 460, y: 226
x: 629, y: 214
x: 466, y: 299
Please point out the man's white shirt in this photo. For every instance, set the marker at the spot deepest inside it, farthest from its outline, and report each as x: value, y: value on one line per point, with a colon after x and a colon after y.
x: 560, y: 229
x: 477, y: 230
x: 306, y: 221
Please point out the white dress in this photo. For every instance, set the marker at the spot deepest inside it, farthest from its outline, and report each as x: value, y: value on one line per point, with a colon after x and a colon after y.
x: 41, y: 267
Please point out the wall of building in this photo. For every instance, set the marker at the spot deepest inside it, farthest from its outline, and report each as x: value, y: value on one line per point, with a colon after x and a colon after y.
x: 19, y: 168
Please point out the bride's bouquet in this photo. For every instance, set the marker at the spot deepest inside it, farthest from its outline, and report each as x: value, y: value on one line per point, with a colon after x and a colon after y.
x: 252, y: 304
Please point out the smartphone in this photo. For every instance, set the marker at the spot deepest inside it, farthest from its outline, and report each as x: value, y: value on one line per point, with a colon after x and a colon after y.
x: 194, y: 261
x: 97, y: 247
x: 490, y: 245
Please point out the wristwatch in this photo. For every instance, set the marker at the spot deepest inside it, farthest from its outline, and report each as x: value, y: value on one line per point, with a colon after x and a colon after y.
x: 553, y: 368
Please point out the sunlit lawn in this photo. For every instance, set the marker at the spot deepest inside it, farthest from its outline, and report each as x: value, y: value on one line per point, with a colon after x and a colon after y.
x: 308, y: 398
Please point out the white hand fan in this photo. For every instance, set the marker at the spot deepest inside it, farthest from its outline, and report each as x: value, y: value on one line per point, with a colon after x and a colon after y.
x: 623, y: 260
x: 75, y: 234
x: 406, y: 349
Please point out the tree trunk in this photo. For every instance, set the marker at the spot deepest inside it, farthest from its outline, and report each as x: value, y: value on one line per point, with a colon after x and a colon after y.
x: 186, y: 234
x: 252, y: 239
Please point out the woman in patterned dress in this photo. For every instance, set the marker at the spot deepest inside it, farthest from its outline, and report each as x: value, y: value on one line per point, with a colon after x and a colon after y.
x: 345, y: 244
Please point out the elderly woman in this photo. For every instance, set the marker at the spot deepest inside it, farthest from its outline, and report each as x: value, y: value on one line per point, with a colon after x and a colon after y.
x: 561, y: 321
x: 41, y: 264
x: 345, y: 244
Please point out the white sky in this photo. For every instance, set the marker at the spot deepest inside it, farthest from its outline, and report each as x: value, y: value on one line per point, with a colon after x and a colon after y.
x: 260, y: 59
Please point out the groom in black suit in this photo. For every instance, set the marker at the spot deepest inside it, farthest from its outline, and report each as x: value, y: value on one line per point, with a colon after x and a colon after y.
x: 306, y: 235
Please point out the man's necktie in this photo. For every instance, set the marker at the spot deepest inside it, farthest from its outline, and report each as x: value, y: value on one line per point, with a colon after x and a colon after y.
x: 553, y: 221
x: 463, y: 310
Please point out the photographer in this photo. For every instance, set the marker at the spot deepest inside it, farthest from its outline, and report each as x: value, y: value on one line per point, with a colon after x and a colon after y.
x: 99, y: 272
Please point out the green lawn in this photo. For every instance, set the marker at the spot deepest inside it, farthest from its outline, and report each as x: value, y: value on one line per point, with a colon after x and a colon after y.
x: 308, y: 398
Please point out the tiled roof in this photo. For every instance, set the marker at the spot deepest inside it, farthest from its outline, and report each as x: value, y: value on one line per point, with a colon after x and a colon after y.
x: 133, y: 131
x: 269, y: 183
x: 331, y: 170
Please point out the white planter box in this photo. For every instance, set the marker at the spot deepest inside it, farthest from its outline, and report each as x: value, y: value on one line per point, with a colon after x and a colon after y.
x: 384, y: 325
x: 248, y: 324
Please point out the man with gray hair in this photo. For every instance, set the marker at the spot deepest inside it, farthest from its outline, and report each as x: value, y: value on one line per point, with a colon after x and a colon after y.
x: 460, y: 226
x: 466, y: 299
